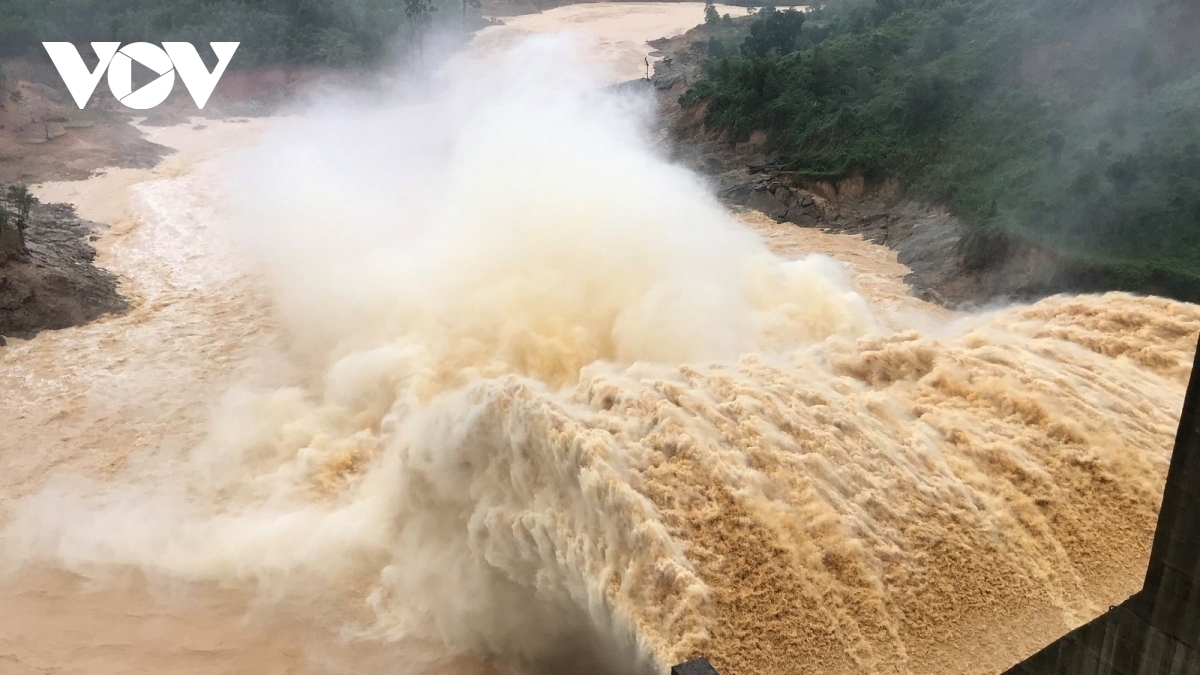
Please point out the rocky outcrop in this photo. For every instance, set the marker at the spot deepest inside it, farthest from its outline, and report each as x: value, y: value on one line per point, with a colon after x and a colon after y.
x: 778, y: 201
x: 50, y: 282
x: 927, y: 238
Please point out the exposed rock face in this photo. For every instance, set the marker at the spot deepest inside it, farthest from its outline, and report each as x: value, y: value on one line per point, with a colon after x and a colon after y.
x: 928, y: 239
x: 761, y: 199
x: 50, y: 283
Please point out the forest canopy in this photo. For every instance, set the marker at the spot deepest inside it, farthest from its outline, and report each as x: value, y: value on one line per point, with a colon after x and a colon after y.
x: 328, y: 32
x: 1070, y: 124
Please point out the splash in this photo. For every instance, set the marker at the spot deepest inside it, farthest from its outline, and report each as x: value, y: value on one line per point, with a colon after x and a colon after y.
x: 556, y: 408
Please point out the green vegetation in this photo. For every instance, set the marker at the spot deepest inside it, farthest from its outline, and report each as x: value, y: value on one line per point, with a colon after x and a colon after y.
x: 711, y: 16
x: 15, y: 205
x: 14, y: 95
x: 774, y: 34
x: 327, y: 32
x: 1070, y: 124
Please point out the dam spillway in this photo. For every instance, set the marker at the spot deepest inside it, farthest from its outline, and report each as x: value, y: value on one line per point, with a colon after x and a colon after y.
x: 1157, y: 630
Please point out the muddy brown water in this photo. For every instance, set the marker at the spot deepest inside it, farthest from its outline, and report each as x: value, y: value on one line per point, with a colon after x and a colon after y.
x: 874, y: 485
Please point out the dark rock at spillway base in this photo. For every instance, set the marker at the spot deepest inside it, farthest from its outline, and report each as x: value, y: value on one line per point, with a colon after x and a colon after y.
x: 694, y: 667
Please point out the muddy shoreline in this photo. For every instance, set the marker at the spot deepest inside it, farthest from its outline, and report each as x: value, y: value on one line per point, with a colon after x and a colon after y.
x: 50, y: 281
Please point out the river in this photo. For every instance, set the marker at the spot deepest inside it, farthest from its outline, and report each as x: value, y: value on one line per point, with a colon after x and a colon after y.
x: 472, y: 380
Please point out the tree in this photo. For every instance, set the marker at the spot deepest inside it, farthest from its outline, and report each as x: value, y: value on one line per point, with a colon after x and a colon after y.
x: 20, y: 200
x: 1123, y: 173
x: 15, y: 204
x: 883, y: 9
x: 774, y: 32
x: 711, y: 17
x: 419, y: 12
x: 928, y: 99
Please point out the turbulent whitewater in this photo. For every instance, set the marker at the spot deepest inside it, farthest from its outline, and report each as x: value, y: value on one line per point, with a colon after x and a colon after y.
x: 549, y: 404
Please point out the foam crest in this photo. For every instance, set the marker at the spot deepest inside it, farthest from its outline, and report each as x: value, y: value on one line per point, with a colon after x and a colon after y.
x: 553, y: 406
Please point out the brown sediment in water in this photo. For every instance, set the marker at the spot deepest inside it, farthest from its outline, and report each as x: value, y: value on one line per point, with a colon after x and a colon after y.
x: 616, y: 33
x: 903, y: 503
x: 584, y: 432
x: 891, y: 502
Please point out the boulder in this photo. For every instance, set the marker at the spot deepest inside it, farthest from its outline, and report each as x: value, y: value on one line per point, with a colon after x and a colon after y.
x: 739, y: 194
x: 667, y: 81
x: 804, y: 217
x: 699, y: 666
x: 762, y: 200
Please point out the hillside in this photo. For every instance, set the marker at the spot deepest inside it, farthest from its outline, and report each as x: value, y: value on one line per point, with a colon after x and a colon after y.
x: 1072, y: 127
x: 333, y: 32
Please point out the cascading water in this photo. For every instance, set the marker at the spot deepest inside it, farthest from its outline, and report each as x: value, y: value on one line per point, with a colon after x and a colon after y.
x: 527, y: 391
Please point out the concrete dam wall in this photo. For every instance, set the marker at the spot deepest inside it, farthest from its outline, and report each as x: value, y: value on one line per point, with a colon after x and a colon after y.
x: 1157, y: 630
